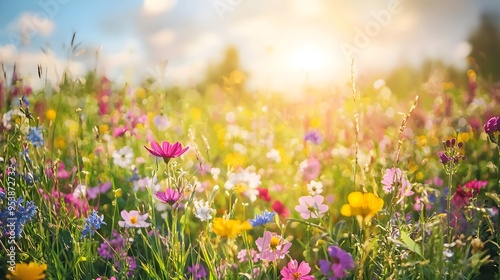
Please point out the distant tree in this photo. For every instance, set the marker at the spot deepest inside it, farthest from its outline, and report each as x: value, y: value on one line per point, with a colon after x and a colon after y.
x: 227, y: 73
x: 485, y: 54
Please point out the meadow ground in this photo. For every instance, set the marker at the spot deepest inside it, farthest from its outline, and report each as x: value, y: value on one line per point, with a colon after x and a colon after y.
x: 107, y: 181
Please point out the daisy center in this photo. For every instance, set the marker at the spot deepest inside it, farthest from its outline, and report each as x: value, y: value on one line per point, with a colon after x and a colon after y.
x: 133, y: 220
x: 275, y: 241
x: 296, y: 275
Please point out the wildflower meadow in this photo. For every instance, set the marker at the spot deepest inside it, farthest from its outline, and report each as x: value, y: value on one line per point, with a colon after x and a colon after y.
x: 107, y: 181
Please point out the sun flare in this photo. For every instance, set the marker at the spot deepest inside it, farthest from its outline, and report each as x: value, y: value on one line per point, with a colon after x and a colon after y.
x: 308, y: 58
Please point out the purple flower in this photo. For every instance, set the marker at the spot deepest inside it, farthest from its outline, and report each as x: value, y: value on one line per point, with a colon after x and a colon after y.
x: 170, y: 196
x: 492, y: 125
x: 313, y: 136
x: 198, y: 271
x: 444, y: 158
x: 338, y: 264
x: 95, y: 191
x: 166, y: 150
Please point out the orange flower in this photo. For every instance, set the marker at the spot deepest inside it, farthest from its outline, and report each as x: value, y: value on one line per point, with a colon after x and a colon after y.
x: 31, y: 271
x: 229, y: 228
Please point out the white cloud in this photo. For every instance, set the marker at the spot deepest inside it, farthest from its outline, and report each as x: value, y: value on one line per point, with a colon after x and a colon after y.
x: 52, y: 67
x: 155, y: 7
x: 29, y: 25
x: 7, y: 53
x: 162, y: 38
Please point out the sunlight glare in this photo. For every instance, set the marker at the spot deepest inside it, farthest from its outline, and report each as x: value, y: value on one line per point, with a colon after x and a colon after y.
x: 308, y: 58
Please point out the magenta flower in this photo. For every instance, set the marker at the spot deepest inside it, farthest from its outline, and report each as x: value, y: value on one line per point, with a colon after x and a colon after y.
x: 166, y: 150
x: 476, y: 185
x: 492, y: 125
x: 294, y: 271
x: 338, y: 264
x: 272, y: 246
x: 311, y: 206
x: 169, y: 196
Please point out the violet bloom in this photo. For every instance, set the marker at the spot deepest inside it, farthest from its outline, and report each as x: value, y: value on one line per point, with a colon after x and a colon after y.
x: 294, y: 271
x: 93, y: 192
x: 198, y: 271
x: 314, y: 136
x: 272, y: 246
x: 444, y: 158
x: 169, y: 196
x: 311, y: 206
x: 133, y: 219
x: 492, y: 125
x: 166, y: 150
x: 338, y: 264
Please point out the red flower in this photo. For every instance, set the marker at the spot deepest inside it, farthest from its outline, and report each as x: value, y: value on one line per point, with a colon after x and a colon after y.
x: 281, y: 209
x: 264, y: 194
x: 166, y: 150
x: 461, y: 197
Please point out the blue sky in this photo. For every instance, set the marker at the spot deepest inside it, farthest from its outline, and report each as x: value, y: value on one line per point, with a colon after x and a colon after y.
x: 281, y: 42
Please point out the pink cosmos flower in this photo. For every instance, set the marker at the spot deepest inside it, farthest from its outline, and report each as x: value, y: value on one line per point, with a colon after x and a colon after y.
x: 294, y: 271
x: 169, y: 196
x: 133, y: 219
x: 272, y: 246
x: 311, y: 206
x: 166, y: 150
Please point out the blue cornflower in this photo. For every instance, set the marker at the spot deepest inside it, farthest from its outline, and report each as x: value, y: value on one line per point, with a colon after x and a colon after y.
x: 264, y: 218
x: 35, y: 136
x: 14, y: 216
x: 92, y: 224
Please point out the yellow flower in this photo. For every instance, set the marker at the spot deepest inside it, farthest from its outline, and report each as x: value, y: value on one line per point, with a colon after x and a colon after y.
x: 31, y: 271
x: 50, y: 114
x: 118, y: 193
x: 60, y: 142
x: 229, y: 228
x: 235, y: 160
x: 362, y: 205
